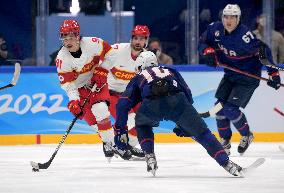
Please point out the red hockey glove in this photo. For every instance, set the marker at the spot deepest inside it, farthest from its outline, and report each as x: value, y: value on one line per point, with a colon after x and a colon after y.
x: 99, y: 77
x: 274, y: 80
x: 209, y: 56
x: 74, y: 107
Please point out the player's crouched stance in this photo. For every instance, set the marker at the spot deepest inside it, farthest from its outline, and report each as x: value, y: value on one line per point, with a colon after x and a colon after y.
x: 164, y: 95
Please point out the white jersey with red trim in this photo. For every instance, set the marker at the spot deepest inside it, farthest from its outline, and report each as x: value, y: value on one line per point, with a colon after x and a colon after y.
x: 123, y: 70
x: 75, y: 73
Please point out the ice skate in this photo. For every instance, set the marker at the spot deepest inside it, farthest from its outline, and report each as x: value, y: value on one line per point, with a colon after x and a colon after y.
x: 108, y: 151
x: 124, y: 154
x: 244, y: 143
x: 151, y: 163
x: 234, y: 169
x: 137, y: 152
x: 226, y: 145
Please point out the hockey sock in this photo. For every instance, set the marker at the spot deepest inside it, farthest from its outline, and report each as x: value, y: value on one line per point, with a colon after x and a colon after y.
x: 146, y: 138
x: 241, y: 124
x: 238, y: 119
x: 223, y: 125
x: 213, y: 147
x: 147, y: 145
x: 105, y: 130
x: 132, y: 135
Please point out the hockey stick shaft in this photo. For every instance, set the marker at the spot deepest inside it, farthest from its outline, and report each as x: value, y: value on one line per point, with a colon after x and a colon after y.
x: 244, y: 73
x: 278, y: 111
x: 47, y: 164
x: 212, y: 111
x: 15, y: 77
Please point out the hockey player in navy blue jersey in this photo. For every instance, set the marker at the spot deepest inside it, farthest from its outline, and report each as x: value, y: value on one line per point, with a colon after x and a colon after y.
x: 232, y: 43
x: 164, y: 95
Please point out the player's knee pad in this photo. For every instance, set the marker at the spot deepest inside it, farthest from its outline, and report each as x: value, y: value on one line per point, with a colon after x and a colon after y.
x: 231, y: 111
x: 100, y: 111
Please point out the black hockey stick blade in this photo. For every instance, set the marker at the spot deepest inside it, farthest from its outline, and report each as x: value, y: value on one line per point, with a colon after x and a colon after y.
x: 7, y: 86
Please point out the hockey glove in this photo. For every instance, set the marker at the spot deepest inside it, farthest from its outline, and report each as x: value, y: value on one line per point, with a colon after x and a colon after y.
x: 99, y: 77
x: 274, y: 80
x: 209, y: 56
x: 121, y: 138
x: 180, y: 132
x: 75, y: 108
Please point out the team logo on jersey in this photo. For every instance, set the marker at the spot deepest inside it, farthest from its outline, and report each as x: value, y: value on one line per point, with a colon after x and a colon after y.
x: 122, y: 74
x: 217, y: 33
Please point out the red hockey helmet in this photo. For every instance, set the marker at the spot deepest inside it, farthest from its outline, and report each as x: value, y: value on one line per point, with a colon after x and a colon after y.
x: 141, y: 30
x: 69, y: 26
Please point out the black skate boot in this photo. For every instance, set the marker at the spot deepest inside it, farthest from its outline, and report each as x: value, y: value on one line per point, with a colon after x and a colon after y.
x: 124, y: 154
x: 226, y: 144
x: 151, y: 163
x: 137, y: 152
x: 108, y: 150
x: 244, y: 143
x: 233, y: 169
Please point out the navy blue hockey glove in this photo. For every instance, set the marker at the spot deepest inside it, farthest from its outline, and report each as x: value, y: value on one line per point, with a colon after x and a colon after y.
x: 274, y: 80
x: 180, y: 132
x: 209, y: 56
x: 121, y: 138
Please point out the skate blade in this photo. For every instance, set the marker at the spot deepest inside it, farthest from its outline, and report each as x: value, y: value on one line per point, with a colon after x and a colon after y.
x: 108, y: 159
x: 153, y: 170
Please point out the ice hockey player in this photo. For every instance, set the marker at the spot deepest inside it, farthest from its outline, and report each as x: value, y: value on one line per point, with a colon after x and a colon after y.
x: 120, y: 75
x: 232, y: 43
x: 164, y: 95
x: 81, y: 63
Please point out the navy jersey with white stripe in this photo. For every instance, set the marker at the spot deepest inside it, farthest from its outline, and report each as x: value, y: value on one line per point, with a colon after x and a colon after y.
x: 238, y: 49
x: 140, y: 87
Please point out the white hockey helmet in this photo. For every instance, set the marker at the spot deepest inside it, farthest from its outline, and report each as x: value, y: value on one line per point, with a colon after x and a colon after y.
x: 144, y: 60
x: 232, y: 9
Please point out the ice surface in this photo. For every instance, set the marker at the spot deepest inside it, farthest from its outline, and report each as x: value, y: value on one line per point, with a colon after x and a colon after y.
x: 183, y: 168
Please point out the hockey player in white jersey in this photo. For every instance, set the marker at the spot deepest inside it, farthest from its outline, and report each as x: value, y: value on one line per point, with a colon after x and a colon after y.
x: 122, y: 72
x: 81, y: 63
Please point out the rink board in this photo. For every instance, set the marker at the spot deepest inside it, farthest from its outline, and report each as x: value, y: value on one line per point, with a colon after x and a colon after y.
x: 94, y: 138
x: 34, y: 111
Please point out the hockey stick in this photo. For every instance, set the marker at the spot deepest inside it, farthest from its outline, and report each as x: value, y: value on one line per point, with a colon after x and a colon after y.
x: 244, y: 73
x: 15, y: 77
x: 219, y: 106
x: 212, y: 111
x: 265, y: 62
x: 278, y: 111
x: 37, y: 166
x: 263, y: 58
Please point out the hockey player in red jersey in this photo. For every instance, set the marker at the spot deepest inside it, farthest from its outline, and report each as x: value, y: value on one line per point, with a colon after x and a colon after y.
x: 83, y: 62
x: 122, y: 72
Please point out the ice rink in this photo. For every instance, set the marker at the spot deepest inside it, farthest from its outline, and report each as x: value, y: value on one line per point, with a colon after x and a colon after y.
x: 183, y: 168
